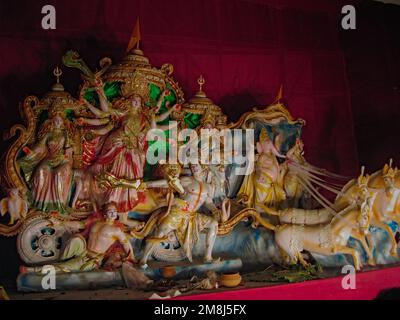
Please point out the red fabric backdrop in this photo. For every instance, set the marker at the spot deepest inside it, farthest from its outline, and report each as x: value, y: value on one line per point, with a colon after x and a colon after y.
x: 245, y: 50
x: 372, y: 53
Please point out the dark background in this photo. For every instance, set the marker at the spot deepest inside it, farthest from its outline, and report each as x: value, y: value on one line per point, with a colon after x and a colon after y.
x: 345, y: 84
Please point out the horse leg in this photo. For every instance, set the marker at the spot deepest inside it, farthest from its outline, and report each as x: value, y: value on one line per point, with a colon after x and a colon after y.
x: 287, y: 256
x: 335, y: 249
x: 210, y: 240
x: 304, y: 263
x: 150, y: 245
x: 385, y: 227
x: 361, y: 238
x: 352, y: 252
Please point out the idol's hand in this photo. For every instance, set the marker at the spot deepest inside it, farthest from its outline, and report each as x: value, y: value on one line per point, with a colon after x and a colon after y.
x: 226, y: 210
x: 108, y: 181
x: 139, y: 226
x: 103, y: 183
x: 225, y: 202
x: 112, y: 180
x: 142, y: 186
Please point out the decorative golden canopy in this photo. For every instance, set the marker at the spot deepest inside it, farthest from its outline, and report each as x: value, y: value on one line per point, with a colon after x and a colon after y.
x: 57, y: 98
x: 200, y: 103
x: 136, y: 73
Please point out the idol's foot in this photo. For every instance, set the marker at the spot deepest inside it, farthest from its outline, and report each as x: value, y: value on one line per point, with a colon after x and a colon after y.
x: 143, y: 266
x: 371, y: 262
x: 211, y: 260
x: 189, y: 256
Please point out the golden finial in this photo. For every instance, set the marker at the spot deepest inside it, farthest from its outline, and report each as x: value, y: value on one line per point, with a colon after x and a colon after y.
x: 201, y: 81
x: 57, y: 72
x: 201, y: 94
x: 363, y: 180
x: 57, y: 86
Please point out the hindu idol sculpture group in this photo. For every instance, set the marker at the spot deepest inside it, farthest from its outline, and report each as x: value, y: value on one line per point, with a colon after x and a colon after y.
x: 83, y: 196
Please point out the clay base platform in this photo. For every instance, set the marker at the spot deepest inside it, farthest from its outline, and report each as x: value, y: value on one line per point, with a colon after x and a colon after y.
x: 32, y: 282
x: 369, y: 284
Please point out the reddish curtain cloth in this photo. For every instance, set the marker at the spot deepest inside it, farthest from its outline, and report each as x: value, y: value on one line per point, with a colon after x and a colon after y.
x: 244, y: 49
x: 372, y: 53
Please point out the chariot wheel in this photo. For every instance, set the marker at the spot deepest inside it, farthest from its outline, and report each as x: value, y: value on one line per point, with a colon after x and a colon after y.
x: 169, y: 250
x: 39, y: 241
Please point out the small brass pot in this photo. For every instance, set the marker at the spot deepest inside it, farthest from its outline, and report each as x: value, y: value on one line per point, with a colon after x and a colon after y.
x: 168, y: 272
x: 230, y: 280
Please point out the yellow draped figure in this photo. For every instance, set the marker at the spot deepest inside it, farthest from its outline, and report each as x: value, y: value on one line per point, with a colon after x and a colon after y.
x: 264, y: 186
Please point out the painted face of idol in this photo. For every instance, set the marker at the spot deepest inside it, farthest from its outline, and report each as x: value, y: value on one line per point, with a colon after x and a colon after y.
x: 111, y: 213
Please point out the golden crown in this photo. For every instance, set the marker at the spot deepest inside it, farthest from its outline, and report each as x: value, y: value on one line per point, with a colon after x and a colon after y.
x: 136, y: 74
x: 363, y: 179
x: 171, y: 170
x: 389, y: 171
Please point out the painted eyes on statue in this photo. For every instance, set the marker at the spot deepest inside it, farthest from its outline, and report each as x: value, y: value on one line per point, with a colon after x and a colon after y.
x: 112, y: 214
x: 136, y: 102
x: 58, y: 121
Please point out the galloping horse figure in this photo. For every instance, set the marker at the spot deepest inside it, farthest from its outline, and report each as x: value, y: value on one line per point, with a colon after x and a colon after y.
x: 387, y: 202
x: 329, y: 239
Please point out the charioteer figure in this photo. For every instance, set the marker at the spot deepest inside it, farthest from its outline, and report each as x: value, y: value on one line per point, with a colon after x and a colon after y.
x: 183, y: 216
